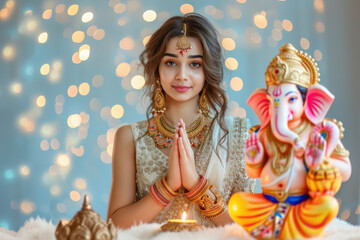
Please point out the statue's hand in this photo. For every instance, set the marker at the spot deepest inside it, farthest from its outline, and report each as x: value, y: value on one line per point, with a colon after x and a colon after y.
x: 254, y: 150
x: 315, y: 151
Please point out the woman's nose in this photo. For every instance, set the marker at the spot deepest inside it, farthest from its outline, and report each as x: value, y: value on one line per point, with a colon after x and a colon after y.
x: 182, y: 73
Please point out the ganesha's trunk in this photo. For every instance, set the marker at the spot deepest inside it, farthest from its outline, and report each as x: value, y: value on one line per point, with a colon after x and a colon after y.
x: 279, y: 125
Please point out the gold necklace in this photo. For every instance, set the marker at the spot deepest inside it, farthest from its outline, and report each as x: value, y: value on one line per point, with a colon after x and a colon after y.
x: 169, y: 131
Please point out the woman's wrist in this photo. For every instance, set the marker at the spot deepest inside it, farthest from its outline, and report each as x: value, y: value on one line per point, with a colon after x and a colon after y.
x: 195, y: 182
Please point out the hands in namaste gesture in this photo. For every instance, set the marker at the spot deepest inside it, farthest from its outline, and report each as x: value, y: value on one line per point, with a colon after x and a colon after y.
x: 182, y: 169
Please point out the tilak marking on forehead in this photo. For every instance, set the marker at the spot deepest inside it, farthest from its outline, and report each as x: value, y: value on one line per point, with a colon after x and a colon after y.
x: 277, y: 91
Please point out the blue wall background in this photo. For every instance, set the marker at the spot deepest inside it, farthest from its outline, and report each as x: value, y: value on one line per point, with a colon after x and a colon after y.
x: 47, y: 166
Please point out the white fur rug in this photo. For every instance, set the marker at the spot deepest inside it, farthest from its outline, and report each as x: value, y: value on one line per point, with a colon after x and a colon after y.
x: 40, y: 229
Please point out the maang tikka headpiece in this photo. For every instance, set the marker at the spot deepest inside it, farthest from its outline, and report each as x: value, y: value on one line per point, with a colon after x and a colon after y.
x: 183, y: 43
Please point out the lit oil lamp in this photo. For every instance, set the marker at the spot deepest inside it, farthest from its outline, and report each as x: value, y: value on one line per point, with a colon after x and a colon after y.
x: 183, y: 224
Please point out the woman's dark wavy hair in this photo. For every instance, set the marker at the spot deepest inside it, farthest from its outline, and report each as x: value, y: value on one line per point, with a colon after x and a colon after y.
x: 198, y: 27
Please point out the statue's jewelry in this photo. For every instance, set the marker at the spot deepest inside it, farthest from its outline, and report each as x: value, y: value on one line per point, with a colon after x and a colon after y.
x: 183, y: 44
x: 292, y: 66
x: 159, y: 99
x: 281, y: 159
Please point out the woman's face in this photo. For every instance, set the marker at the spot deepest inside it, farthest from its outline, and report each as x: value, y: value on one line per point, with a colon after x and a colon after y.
x: 182, y: 76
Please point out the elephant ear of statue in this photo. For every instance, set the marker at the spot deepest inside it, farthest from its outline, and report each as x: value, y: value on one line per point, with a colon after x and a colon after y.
x: 259, y: 102
x: 317, y: 103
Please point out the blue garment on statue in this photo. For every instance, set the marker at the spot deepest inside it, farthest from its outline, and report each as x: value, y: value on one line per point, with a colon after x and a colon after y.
x: 293, y: 200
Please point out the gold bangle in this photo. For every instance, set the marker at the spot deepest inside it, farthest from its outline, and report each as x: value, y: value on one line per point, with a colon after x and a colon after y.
x: 259, y: 165
x: 209, y: 207
x: 164, y: 180
x: 202, y: 192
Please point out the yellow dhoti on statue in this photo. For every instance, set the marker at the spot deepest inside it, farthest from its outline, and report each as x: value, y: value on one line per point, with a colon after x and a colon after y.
x: 263, y: 218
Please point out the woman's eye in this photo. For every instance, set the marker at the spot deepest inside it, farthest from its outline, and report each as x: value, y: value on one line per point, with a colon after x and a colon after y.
x: 170, y: 63
x: 195, y: 65
x: 292, y: 99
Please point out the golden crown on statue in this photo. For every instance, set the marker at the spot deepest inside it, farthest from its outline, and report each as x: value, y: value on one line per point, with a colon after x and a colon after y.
x: 292, y: 66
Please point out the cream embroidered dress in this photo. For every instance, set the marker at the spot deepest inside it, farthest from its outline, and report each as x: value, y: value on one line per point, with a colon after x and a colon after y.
x: 225, y: 170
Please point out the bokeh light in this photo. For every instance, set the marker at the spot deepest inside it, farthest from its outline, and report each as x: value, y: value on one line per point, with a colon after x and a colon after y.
x: 319, y: 6
x: 55, y: 190
x: 138, y: 82
x: 287, y: 25
x: 90, y: 31
x: 117, y: 111
x: 15, y: 88
x: 109, y: 149
x: 73, y: 9
x: 43, y: 37
x: 231, y: 63
x: 80, y: 184
x: 228, y: 44
x: 186, y: 8
x: 47, y: 14
x: 84, y: 52
x: 87, y: 17
x: 41, y: 101
x: 27, y: 207
x: 84, y: 88
x: 123, y: 69
x: 319, y: 26
x: 63, y: 160
x: 146, y: 40
x: 76, y: 58
x: 127, y: 43
x: 44, y: 145
x: 78, y: 36
x: 99, y: 34
x: 276, y: 34
x: 55, y: 144
x: 345, y: 214
x: 304, y: 43
x: 260, y: 21
x: 75, y: 196
x: 149, y: 15
x: 9, y: 52
x: 235, y: 13
x: 48, y: 130
x: 45, y: 69
x: 317, y: 55
x: 24, y: 170
x: 72, y: 91
x: 119, y: 8
x: 74, y: 120
x: 236, y: 83
x: 26, y: 124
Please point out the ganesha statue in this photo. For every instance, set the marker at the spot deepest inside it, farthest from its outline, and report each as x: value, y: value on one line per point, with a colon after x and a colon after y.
x: 295, y: 151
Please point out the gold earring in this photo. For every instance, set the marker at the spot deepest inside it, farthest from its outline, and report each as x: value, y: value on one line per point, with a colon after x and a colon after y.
x: 159, y: 99
x: 203, y: 103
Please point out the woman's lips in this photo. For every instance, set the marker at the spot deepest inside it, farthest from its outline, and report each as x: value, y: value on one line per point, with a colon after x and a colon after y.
x: 181, y: 89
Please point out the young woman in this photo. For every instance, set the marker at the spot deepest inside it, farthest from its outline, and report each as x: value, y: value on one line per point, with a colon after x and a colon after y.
x: 187, y: 157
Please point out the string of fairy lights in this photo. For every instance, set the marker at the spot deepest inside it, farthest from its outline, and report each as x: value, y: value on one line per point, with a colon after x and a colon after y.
x: 63, y: 134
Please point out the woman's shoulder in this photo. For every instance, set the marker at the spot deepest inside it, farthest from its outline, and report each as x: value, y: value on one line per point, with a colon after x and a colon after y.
x: 139, y: 123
